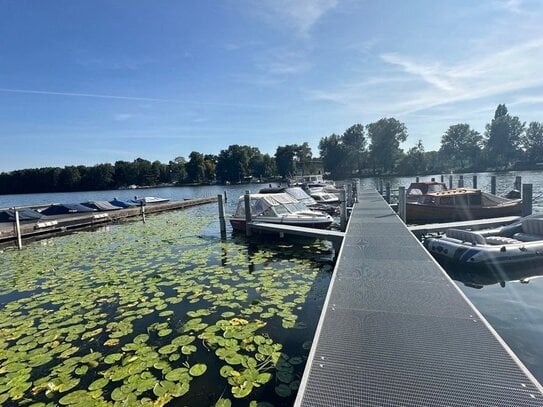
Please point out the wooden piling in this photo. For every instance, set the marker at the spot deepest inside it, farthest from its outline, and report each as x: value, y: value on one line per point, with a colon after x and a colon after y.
x: 461, y: 181
x: 225, y: 196
x: 381, y: 187
x: 442, y: 178
x: 416, y: 179
x: 247, y: 202
x: 387, y: 193
x: 342, y: 209
x: 222, y: 222
x: 474, y: 182
x: 142, y: 211
x: 450, y: 181
x: 493, y: 185
x: 402, y: 207
x: 526, y: 199
x: 518, y: 183
x: 18, y: 229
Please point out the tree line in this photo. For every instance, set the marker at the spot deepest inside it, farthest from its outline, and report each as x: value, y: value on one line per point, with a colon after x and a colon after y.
x: 370, y: 150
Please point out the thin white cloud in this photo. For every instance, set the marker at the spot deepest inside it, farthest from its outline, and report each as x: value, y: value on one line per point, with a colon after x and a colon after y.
x: 121, y: 117
x: 299, y: 15
x: 512, y: 6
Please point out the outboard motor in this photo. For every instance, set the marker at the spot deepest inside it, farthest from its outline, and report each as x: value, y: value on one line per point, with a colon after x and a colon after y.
x: 513, y: 194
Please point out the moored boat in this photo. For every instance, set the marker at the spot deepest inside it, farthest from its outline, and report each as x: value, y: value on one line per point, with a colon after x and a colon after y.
x: 280, y: 208
x: 520, y: 243
x: 416, y: 189
x: 460, y: 204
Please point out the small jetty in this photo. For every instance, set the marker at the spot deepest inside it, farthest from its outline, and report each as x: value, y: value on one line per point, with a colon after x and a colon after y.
x: 396, y: 330
x: 57, y: 224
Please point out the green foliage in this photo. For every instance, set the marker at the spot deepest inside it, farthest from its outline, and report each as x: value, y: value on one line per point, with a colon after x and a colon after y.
x: 503, y: 137
x: 532, y: 142
x: 386, y: 135
x: 414, y: 161
x: 461, y: 144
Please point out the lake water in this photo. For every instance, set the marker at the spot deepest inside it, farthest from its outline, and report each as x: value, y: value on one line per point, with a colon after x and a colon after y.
x: 514, y: 308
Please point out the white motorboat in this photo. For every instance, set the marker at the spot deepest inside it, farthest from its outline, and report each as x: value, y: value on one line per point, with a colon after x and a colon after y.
x: 515, y: 244
x: 323, y: 197
x: 279, y: 208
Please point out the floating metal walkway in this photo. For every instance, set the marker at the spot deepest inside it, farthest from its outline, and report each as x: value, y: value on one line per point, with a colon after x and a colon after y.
x: 395, y: 330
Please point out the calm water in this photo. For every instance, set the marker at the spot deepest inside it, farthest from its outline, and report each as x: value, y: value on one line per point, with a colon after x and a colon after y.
x: 514, y: 308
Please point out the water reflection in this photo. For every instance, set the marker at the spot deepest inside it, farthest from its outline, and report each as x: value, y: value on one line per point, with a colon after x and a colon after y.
x: 497, y: 274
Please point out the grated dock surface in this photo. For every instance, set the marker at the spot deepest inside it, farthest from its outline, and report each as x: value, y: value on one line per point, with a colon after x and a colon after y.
x: 396, y: 331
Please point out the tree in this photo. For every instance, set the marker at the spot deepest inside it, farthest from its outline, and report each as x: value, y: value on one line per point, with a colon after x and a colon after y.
x: 284, y: 159
x: 69, y: 179
x: 532, y: 142
x: 413, y: 162
x: 233, y: 163
x: 386, y: 135
x: 503, y: 136
x: 354, y: 140
x: 461, y: 143
x: 195, y: 167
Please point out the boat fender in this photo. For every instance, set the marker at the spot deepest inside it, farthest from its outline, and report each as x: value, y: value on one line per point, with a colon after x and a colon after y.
x: 502, y: 249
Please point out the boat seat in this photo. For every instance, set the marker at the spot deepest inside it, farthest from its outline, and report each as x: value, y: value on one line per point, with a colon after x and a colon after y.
x: 465, y: 236
x: 533, y: 226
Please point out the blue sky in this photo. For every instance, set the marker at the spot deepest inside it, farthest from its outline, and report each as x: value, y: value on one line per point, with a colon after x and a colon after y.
x: 85, y: 82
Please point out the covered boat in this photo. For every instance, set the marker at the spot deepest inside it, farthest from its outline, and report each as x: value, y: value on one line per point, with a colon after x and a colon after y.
x: 520, y: 243
x: 299, y: 194
x: 101, y: 205
x: 416, y: 189
x: 123, y: 203
x: 279, y: 208
x: 63, y: 209
x: 26, y: 214
x: 460, y: 204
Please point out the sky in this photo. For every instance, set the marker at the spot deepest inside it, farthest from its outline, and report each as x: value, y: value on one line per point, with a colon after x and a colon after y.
x: 87, y: 82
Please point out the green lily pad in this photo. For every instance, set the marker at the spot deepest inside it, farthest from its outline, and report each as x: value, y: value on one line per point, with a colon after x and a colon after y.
x: 198, y: 369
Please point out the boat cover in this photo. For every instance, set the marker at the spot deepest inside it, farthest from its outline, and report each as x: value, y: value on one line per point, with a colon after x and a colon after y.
x: 261, y: 202
x: 62, y: 209
x: 123, y: 203
x: 101, y: 205
x: 8, y: 215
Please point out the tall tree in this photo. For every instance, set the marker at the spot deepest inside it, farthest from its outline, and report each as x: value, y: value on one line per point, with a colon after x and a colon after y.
x: 233, y: 163
x: 195, y: 167
x: 284, y: 159
x: 386, y: 135
x: 533, y: 142
x: 503, y: 136
x: 354, y: 139
x: 460, y: 143
x: 413, y: 162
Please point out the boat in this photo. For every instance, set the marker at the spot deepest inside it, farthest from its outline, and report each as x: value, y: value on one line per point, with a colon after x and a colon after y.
x: 279, y: 208
x: 25, y: 214
x: 63, y: 209
x: 520, y: 243
x: 149, y: 200
x: 299, y: 194
x: 458, y: 205
x: 101, y: 205
x: 416, y: 189
x: 323, y: 197
x: 123, y: 203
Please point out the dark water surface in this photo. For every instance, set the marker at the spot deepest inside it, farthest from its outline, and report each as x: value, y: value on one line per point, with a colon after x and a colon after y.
x: 514, y: 308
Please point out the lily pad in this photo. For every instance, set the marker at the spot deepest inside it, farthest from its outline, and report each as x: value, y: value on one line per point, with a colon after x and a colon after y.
x: 198, y: 369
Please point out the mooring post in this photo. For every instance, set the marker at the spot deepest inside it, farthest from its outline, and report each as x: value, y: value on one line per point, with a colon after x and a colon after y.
x: 381, y: 187
x: 222, y: 222
x: 142, y: 205
x: 526, y: 199
x: 342, y: 209
x: 450, y: 181
x: 416, y: 179
x: 402, y: 210
x: 349, y: 195
x: 247, y: 202
x: 474, y: 182
x: 357, y: 188
x: 461, y: 182
x: 433, y: 179
x: 387, y: 193
x: 442, y: 178
x: 518, y: 182
x: 225, y: 196
x: 493, y: 185
x: 18, y: 229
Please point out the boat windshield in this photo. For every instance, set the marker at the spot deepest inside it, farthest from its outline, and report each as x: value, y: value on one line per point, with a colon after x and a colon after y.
x: 436, y: 188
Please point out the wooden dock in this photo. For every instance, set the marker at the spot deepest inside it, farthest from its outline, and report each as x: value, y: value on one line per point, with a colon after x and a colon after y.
x: 396, y: 330
x: 52, y: 225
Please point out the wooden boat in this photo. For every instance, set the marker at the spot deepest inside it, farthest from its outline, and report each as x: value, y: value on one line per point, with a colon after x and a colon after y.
x: 520, y: 243
x: 460, y: 204
x: 279, y: 209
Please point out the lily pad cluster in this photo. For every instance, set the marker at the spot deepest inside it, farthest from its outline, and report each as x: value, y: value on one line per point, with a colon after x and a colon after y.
x: 145, y: 314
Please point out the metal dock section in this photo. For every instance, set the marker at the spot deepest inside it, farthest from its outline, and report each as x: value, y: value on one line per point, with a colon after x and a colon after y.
x: 395, y: 330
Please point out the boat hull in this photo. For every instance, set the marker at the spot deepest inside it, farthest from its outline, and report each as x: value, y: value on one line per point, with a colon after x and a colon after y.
x: 421, y: 213
x: 240, y: 224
